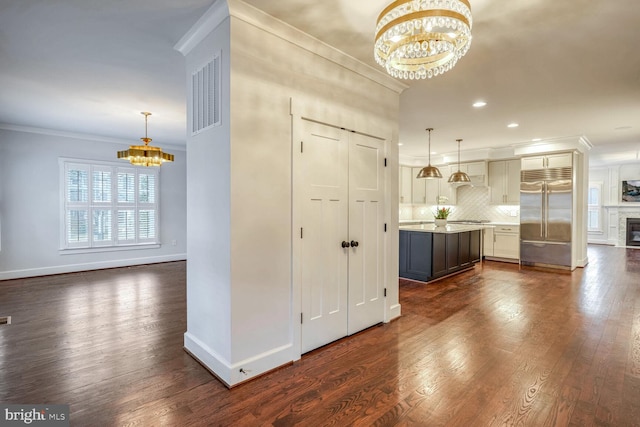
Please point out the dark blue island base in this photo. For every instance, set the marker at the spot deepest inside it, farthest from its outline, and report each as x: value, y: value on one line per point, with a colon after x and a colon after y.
x: 429, y: 255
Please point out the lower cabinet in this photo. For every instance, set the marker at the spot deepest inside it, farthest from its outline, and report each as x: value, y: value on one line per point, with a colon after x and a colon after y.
x: 427, y: 256
x: 502, y: 243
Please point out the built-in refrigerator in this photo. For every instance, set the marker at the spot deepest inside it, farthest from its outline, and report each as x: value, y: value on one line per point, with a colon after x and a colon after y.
x: 546, y: 205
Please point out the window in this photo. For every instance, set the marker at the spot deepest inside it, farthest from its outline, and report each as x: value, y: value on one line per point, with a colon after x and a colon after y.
x: 594, y: 210
x: 108, y: 205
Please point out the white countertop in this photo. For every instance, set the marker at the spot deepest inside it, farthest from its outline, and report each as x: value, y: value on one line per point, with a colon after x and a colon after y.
x: 447, y: 229
x: 404, y: 222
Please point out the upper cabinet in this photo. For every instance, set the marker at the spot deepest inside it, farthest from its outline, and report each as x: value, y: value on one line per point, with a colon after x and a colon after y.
x: 419, y: 193
x: 560, y: 160
x: 405, y: 181
x: 504, y: 182
x: 433, y: 191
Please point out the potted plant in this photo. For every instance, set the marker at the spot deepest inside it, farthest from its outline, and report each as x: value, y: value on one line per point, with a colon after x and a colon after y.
x: 441, y: 216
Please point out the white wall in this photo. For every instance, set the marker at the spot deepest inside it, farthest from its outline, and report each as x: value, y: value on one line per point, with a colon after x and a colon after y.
x: 30, y: 206
x: 243, y: 317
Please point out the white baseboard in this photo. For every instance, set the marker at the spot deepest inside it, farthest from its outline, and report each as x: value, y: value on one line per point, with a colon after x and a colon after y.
x: 236, y: 373
x: 394, y: 312
x: 73, y: 268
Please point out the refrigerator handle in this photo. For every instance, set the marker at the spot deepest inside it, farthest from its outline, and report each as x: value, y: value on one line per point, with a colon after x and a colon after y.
x: 545, y: 209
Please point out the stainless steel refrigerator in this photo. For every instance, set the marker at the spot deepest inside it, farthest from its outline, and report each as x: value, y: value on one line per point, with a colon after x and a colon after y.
x: 546, y: 206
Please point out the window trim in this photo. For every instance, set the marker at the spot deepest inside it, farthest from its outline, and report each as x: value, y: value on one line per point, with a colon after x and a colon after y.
x: 114, y: 244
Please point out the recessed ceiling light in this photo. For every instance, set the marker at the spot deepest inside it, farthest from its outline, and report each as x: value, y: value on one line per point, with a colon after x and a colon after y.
x: 513, y: 125
x: 479, y: 104
x: 400, y: 144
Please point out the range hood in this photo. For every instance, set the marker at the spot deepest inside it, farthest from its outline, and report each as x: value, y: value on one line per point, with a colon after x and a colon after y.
x: 477, y: 172
x: 476, y: 181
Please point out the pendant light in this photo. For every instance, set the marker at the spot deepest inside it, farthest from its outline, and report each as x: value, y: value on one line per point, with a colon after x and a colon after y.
x: 459, y: 177
x: 429, y: 171
x: 145, y: 155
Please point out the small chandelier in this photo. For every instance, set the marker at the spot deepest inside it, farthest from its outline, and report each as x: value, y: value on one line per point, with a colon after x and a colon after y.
x: 459, y: 177
x: 418, y: 39
x: 429, y: 171
x: 145, y: 155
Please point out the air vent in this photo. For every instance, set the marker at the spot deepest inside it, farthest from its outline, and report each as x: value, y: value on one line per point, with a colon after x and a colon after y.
x: 545, y: 174
x: 5, y: 320
x: 205, y: 95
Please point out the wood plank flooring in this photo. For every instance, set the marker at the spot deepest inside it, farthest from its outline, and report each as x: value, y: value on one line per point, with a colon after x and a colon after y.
x: 493, y: 346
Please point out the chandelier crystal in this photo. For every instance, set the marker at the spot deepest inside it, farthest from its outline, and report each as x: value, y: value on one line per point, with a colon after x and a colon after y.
x: 418, y: 39
x: 145, y: 155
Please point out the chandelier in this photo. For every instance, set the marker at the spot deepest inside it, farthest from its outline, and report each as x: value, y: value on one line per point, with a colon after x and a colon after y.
x: 145, y: 155
x: 418, y: 39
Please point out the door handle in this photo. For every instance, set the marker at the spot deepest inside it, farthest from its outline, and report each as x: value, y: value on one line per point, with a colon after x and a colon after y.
x: 345, y: 244
x: 354, y: 244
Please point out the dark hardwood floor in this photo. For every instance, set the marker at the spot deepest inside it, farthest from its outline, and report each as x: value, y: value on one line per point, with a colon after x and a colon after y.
x: 494, y: 346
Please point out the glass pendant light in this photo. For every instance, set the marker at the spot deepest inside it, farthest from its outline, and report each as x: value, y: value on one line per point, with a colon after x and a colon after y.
x: 429, y: 171
x: 459, y: 177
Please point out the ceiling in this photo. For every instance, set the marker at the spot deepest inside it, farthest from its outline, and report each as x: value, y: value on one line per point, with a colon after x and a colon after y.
x: 559, y: 69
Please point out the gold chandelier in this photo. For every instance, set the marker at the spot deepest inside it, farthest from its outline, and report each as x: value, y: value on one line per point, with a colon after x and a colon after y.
x: 417, y: 39
x: 145, y: 155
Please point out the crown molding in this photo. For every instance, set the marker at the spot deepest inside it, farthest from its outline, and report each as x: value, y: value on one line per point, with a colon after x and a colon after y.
x: 238, y: 9
x: 76, y: 135
x: 567, y: 143
x: 214, y: 16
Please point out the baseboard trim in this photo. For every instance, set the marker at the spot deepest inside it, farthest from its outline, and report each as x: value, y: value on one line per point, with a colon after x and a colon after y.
x: 74, y: 268
x: 235, y: 374
x: 394, y: 312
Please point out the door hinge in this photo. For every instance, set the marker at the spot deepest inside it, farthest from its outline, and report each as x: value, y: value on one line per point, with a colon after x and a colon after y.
x: 385, y: 292
x: 301, y: 318
x: 385, y: 162
x: 301, y: 232
x: 385, y: 227
x: 302, y: 146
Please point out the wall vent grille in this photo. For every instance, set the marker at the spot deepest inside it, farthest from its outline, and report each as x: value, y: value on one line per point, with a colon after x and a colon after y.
x: 205, y: 96
x: 5, y: 320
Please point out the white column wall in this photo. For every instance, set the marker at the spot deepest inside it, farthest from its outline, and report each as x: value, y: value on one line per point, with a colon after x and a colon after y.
x: 250, y: 328
x: 209, y: 281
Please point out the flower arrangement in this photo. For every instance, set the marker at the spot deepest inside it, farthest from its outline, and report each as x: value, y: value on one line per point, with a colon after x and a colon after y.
x: 442, y: 213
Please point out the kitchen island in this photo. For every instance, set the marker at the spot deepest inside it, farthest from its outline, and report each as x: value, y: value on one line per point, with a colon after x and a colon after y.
x: 428, y: 252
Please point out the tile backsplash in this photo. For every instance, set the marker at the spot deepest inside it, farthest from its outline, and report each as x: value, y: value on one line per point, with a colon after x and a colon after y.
x: 473, y: 204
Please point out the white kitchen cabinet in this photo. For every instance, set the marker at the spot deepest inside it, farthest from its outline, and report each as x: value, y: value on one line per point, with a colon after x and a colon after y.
x: 504, y: 182
x: 559, y: 160
x: 502, y: 243
x: 405, y: 182
x: 433, y: 191
x: 506, y: 242
x: 418, y: 193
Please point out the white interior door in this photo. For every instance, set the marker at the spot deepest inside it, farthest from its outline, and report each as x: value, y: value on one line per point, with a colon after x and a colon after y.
x: 342, y: 244
x: 324, y: 274
x: 366, y: 229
